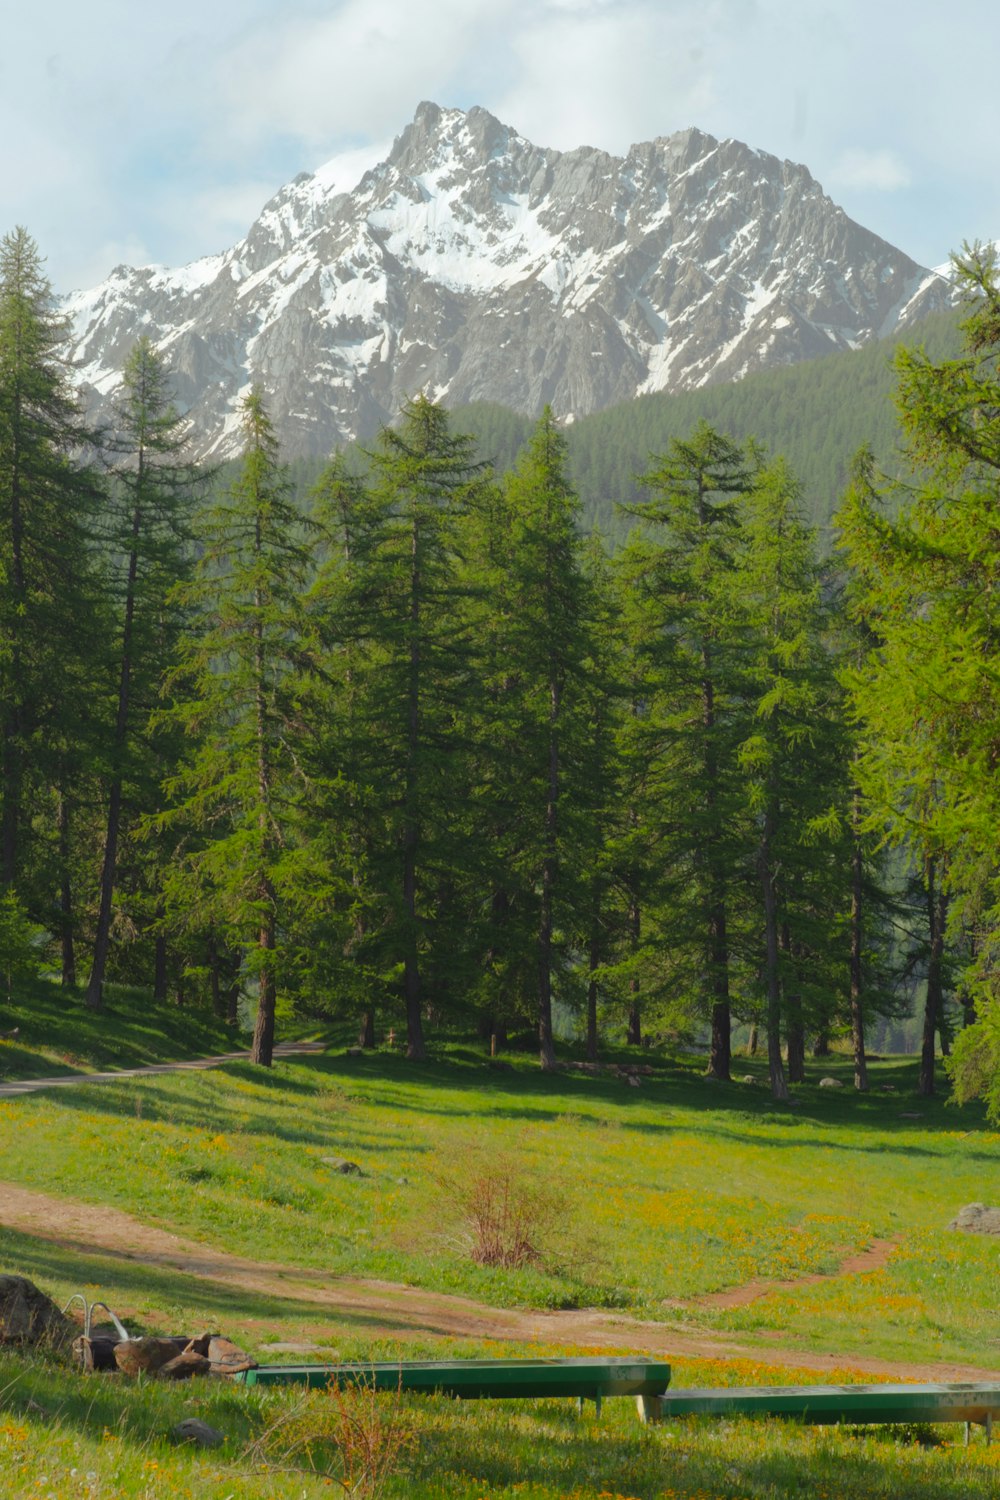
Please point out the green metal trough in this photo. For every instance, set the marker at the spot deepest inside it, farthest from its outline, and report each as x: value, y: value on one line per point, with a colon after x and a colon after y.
x: 472, y: 1379
x: 593, y: 1379
x: 979, y: 1403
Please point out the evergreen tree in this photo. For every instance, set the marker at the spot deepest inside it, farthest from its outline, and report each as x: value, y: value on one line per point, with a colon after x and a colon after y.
x: 686, y: 571
x: 48, y: 602
x: 535, y: 717
x: 927, y: 695
x: 792, y: 758
x: 397, y: 617
x: 148, y: 541
x: 236, y: 797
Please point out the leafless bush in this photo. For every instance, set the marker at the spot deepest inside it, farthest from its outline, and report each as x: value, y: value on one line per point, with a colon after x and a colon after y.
x: 352, y: 1435
x: 507, y: 1215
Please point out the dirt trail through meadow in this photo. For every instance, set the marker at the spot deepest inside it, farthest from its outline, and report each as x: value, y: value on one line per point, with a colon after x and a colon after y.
x: 388, y: 1310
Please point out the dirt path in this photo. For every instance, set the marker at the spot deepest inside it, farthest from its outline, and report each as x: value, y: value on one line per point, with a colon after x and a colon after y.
x: 394, y: 1311
x: 67, y: 1080
x: 872, y: 1259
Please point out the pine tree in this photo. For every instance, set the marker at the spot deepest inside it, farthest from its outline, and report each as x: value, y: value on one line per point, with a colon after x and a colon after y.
x: 48, y: 598
x: 235, y: 689
x: 686, y: 574
x: 398, y: 618
x: 149, y: 540
x: 790, y: 758
x: 535, y: 718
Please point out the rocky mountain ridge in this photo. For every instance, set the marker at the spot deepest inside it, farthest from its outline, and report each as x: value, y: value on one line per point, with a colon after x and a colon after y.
x: 473, y: 265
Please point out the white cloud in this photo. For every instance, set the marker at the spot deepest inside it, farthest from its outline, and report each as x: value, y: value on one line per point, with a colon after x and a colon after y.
x: 354, y: 73
x: 879, y: 171
x: 138, y: 126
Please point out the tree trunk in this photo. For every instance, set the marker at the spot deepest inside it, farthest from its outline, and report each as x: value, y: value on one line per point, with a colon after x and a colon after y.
x: 633, y: 1035
x: 779, y: 1086
x: 366, y: 1033
x: 594, y: 960
x: 65, y: 898
x: 11, y: 762
x: 857, y: 951
x: 796, y: 1029
x: 547, y: 1052
x: 159, y: 968
x: 937, y: 911
x: 796, y: 1040
x: 752, y: 1041
x: 416, y: 1050
x: 102, y: 935
x: 233, y: 997
x: 262, y: 1050
x: 720, y: 1057
x: 821, y: 1046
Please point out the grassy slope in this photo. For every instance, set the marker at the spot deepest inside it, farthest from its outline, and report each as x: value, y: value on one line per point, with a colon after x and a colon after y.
x: 674, y: 1189
x: 57, y: 1034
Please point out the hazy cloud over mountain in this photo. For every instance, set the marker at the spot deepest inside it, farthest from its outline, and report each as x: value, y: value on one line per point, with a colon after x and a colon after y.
x: 156, y: 134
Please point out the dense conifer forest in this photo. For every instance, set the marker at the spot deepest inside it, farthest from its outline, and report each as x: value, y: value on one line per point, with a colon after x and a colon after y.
x: 548, y: 730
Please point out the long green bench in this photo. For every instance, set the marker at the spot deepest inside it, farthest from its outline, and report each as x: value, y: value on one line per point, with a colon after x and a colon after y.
x: 473, y: 1379
x: 968, y: 1403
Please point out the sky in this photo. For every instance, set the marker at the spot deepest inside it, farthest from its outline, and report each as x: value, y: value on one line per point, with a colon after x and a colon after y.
x: 155, y: 134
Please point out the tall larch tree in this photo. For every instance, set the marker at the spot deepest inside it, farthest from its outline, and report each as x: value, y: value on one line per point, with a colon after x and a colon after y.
x: 235, y: 689
x: 403, y: 618
x: 692, y: 521
x: 49, y: 602
x: 149, y: 544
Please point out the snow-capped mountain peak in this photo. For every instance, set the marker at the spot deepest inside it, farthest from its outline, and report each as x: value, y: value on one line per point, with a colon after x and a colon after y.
x: 470, y: 263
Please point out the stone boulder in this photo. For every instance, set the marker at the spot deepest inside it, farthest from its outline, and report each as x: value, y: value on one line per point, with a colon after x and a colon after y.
x: 193, y: 1430
x: 227, y: 1358
x: 976, y: 1218
x: 145, y: 1356
x: 186, y: 1364
x: 343, y: 1166
x: 27, y: 1316
x: 830, y: 1083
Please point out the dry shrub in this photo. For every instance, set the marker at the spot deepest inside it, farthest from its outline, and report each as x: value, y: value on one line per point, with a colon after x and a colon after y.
x: 352, y: 1435
x: 508, y: 1217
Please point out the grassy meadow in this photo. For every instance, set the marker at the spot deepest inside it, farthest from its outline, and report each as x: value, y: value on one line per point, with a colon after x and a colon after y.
x: 641, y: 1201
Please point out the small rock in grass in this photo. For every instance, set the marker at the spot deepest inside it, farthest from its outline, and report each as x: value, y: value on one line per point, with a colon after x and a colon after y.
x: 193, y: 1430
x: 976, y: 1218
x: 830, y: 1083
x: 905, y: 1116
x: 343, y: 1166
x: 748, y: 1078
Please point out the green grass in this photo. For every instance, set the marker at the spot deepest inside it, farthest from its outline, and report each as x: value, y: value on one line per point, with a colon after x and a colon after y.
x: 65, y: 1435
x: 669, y: 1191
x: 58, y: 1034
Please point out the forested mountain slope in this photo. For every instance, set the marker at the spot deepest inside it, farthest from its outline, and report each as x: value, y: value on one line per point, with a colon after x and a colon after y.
x: 817, y: 414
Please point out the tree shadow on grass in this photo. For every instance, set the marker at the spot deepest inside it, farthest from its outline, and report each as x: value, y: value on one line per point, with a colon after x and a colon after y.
x: 61, y: 1267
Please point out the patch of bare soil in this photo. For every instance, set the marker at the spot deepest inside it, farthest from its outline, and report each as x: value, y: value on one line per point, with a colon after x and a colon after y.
x: 389, y: 1310
x: 861, y: 1264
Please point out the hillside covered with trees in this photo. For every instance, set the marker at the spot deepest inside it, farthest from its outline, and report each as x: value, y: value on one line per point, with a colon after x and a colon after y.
x: 421, y: 751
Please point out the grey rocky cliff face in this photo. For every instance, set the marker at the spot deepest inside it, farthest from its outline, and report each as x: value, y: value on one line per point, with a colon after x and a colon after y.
x: 473, y: 265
